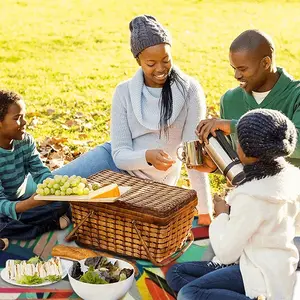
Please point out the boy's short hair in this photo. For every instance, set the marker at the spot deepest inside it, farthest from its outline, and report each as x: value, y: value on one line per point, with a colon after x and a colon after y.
x: 7, y: 98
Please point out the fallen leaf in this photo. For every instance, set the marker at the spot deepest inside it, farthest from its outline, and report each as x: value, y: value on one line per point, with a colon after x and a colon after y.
x: 65, y: 127
x: 56, y: 163
x: 78, y: 115
x: 33, y: 114
x: 55, y: 152
x: 70, y: 123
x: 56, y: 155
x: 79, y: 143
x: 83, y: 136
x: 34, y: 122
x: 50, y: 111
x: 88, y: 125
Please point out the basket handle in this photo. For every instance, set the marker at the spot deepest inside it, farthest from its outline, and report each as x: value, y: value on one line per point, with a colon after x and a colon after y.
x: 168, y: 259
x: 69, y: 237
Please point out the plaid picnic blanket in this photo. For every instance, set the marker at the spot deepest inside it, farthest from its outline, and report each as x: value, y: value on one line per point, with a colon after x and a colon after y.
x: 149, y: 284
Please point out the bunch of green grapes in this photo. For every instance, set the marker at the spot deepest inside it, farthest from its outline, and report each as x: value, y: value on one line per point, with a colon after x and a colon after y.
x: 65, y: 186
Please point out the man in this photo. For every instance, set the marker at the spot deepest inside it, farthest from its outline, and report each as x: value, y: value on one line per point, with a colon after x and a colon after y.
x: 262, y: 85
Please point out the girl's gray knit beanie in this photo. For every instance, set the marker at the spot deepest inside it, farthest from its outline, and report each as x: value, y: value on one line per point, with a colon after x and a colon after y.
x: 266, y: 133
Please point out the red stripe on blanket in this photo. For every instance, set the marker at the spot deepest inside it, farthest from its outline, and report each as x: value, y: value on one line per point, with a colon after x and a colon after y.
x: 200, y: 233
x: 62, y: 295
x: 156, y: 292
x: 166, y: 268
x: 27, y: 290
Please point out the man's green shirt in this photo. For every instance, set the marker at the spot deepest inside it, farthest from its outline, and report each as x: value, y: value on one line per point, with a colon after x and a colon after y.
x: 284, y: 96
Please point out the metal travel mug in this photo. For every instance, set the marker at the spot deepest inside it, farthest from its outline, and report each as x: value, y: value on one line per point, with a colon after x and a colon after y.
x: 191, y: 153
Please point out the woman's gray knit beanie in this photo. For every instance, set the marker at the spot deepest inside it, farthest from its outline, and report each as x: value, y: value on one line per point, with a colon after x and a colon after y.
x: 146, y: 32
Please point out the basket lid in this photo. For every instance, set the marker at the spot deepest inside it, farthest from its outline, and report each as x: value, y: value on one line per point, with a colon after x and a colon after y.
x: 146, y: 196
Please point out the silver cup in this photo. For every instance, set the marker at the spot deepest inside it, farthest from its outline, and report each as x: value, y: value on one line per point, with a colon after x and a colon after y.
x: 191, y: 153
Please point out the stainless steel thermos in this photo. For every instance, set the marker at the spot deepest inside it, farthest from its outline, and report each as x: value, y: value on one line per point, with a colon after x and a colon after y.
x: 226, y: 159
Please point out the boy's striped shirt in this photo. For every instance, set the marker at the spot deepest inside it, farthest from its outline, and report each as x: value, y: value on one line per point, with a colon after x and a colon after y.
x: 15, y: 165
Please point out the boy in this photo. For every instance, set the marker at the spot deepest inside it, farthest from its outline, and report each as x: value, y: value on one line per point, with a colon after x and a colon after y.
x: 22, y: 217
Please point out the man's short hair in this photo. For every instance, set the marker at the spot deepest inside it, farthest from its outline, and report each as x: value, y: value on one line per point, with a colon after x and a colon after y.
x: 254, y: 40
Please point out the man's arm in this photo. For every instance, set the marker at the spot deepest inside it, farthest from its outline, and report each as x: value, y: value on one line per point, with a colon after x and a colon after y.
x: 233, y: 122
x: 209, y: 126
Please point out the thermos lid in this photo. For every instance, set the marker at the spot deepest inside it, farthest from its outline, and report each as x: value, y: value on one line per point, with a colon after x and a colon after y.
x: 238, y: 179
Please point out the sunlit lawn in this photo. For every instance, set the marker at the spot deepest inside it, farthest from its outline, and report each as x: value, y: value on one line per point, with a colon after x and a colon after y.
x: 69, y: 55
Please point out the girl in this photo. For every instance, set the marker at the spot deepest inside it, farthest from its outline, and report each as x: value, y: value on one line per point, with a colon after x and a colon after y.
x: 259, y: 230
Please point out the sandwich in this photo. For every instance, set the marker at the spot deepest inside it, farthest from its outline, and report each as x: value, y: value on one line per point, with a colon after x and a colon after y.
x: 34, y: 271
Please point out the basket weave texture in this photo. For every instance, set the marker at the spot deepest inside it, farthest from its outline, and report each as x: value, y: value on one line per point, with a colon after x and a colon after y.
x: 150, y: 213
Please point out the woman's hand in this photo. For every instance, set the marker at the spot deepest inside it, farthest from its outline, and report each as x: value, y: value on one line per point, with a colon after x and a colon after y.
x: 159, y: 159
x: 220, y: 206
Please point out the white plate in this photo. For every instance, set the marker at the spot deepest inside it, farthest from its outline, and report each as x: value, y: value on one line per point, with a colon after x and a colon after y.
x: 65, y: 266
x: 123, y: 189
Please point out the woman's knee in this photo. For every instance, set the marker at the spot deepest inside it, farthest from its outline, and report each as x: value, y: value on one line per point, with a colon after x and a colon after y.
x: 89, y: 163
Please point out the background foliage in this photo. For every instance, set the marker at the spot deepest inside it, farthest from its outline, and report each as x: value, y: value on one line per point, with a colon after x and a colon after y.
x: 66, y: 57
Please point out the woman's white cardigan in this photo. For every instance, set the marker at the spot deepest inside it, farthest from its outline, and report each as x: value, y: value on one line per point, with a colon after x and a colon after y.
x: 135, y: 129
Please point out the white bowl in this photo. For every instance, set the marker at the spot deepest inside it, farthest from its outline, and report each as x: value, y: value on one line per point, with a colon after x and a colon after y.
x: 110, y: 291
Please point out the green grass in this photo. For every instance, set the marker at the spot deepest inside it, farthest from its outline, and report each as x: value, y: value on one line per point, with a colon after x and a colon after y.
x: 68, y: 55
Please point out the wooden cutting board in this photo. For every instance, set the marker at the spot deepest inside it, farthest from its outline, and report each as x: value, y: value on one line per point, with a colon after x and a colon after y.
x: 85, y: 198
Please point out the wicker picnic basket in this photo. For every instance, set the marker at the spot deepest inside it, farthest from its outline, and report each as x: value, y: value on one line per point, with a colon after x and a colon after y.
x: 151, y: 221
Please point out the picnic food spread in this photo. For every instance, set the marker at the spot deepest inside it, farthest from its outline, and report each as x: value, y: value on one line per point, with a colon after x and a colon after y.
x: 65, y: 185
x: 108, y: 191
x: 34, y: 270
x: 62, y: 186
x: 73, y: 253
x: 100, y: 271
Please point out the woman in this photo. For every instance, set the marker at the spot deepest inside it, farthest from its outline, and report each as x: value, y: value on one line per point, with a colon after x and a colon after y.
x: 152, y: 114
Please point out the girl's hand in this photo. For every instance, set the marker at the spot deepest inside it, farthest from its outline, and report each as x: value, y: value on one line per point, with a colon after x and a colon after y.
x: 159, y: 159
x: 220, y: 206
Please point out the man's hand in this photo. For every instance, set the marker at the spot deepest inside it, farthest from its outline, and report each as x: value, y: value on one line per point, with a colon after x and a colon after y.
x: 30, y: 203
x: 159, y: 159
x: 208, y: 126
x: 220, y: 206
x: 207, y: 166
